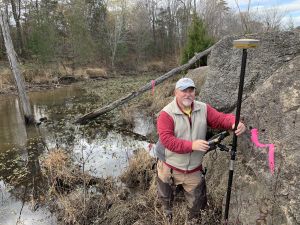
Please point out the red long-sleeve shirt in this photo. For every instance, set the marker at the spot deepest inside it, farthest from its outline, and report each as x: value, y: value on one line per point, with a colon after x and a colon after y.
x: 165, y: 128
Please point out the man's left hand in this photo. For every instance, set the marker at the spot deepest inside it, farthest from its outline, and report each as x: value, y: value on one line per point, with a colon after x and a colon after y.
x: 241, y: 128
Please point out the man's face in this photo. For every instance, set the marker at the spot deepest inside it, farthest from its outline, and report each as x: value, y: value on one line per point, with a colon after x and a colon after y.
x: 186, y: 97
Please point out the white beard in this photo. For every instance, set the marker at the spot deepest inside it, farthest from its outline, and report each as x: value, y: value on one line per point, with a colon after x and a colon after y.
x: 187, y: 102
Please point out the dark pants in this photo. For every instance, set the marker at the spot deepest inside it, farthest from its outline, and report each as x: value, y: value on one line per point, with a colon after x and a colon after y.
x: 193, y: 184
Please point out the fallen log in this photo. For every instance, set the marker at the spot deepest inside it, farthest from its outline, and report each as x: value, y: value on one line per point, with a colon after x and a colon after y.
x: 98, y: 112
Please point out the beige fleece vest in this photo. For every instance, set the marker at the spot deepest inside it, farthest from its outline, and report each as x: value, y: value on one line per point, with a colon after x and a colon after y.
x: 183, y: 130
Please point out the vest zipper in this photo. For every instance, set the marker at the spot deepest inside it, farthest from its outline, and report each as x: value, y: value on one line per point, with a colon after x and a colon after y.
x: 190, y: 125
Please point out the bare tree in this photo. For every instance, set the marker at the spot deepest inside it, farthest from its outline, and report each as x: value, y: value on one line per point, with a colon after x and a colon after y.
x: 141, y: 31
x: 257, y: 20
x: 214, y: 13
x: 182, y: 12
x: 245, y: 16
x: 290, y: 25
x: 152, y: 9
x: 116, y: 28
x: 12, y: 57
x: 16, y: 10
x: 272, y: 18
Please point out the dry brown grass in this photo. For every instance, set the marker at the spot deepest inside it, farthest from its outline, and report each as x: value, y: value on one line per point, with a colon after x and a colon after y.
x: 79, y: 207
x: 59, y: 169
x: 57, y: 164
x: 139, y: 172
x: 96, y: 72
x: 108, y: 202
x: 152, y: 66
x: 149, y: 104
x: 70, y: 194
x: 32, y: 73
x: 36, y: 74
x: 111, y: 203
x: 79, y: 73
x: 163, y: 95
x: 6, y: 78
x: 127, y: 116
x: 142, y: 205
x: 45, y: 74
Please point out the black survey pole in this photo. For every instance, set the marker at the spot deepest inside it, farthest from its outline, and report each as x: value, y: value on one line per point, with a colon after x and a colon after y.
x: 244, y: 44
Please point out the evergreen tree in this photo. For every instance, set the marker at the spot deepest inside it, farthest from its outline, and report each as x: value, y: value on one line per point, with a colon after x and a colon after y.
x: 41, y: 33
x: 198, y: 40
x: 80, y: 43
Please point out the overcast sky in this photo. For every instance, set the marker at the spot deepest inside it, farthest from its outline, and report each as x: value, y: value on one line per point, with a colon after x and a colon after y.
x: 289, y: 8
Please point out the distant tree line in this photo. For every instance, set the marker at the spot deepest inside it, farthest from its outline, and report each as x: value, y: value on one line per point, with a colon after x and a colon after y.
x: 123, y: 33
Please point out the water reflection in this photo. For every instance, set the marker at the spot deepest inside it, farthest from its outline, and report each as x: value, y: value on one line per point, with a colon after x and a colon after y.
x: 106, y: 156
x: 12, y: 126
x: 11, y: 208
x: 143, y: 125
x: 12, y: 129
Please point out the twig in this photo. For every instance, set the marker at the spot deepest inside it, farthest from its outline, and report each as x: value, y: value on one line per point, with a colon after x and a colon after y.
x: 23, y: 203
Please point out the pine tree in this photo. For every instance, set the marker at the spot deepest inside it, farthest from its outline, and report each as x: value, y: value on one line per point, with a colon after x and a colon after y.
x: 198, y: 40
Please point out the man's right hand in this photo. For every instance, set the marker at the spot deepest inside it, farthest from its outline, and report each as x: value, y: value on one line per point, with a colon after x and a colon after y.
x: 200, y: 145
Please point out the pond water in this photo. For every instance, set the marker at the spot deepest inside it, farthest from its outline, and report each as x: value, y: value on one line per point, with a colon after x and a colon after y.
x: 103, y: 147
x: 10, y: 208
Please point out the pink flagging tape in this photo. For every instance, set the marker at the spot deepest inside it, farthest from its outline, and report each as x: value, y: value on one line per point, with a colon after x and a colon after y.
x: 153, y: 85
x: 271, y: 158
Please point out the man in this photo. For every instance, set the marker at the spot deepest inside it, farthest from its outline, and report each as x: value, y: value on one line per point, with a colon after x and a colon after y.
x: 182, y: 126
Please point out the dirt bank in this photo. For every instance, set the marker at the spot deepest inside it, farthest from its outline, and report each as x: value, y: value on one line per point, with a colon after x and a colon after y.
x: 51, y: 75
x: 40, y: 77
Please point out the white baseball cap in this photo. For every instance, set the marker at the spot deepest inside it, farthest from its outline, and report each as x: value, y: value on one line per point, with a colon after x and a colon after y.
x: 184, y: 83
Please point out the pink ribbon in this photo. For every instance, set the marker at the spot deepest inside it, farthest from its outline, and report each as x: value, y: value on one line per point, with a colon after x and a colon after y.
x: 254, y: 139
x: 153, y: 85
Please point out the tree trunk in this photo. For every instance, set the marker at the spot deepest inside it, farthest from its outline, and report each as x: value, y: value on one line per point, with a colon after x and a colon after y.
x: 18, y: 25
x: 153, y: 8
x: 14, y: 65
x: 92, y: 115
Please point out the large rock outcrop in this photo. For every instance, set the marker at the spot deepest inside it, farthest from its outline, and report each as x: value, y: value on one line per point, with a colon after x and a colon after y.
x: 275, y: 50
x: 272, y: 105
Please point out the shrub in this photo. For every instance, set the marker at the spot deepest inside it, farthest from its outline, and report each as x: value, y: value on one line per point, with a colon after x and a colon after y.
x: 198, y: 40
